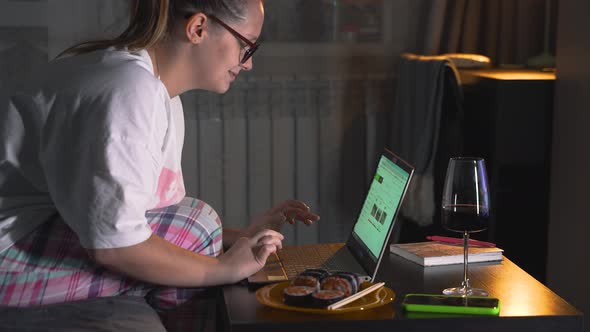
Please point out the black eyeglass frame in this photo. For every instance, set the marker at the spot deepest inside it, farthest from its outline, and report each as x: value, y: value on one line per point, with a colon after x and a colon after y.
x: 252, y: 47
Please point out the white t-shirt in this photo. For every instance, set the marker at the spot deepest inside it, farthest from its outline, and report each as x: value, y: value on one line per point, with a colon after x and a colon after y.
x: 97, y: 141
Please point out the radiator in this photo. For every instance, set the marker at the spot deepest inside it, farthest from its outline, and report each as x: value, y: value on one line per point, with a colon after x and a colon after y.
x: 273, y: 138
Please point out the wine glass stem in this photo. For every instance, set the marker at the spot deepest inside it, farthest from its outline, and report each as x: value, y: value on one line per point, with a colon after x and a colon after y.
x: 465, y: 261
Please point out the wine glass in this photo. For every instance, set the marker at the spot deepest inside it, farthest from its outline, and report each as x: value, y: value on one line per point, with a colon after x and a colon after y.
x: 465, y: 209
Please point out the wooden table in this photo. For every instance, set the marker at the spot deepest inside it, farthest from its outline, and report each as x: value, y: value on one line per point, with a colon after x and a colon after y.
x: 526, y: 304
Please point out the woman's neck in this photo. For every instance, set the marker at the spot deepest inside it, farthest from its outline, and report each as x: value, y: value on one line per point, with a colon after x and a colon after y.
x: 165, y: 66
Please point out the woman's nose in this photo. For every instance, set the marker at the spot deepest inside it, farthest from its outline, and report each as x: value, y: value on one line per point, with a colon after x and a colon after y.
x: 247, y: 65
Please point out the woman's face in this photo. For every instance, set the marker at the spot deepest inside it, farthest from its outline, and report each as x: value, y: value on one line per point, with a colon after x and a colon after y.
x: 222, y: 51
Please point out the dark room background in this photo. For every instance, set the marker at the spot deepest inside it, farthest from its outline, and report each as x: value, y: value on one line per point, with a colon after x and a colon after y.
x: 310, y: 119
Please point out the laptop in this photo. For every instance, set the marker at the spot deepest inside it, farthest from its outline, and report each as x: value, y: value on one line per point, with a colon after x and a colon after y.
x: 367, y: 240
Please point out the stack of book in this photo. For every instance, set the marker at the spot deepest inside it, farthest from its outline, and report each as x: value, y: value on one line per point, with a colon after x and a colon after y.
x: 436, y: 253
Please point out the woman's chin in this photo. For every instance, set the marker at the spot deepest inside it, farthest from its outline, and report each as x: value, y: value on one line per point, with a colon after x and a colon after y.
x: 222, y: 88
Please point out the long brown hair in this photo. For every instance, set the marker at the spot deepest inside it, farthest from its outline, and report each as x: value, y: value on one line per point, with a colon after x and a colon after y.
x: 151, y: 19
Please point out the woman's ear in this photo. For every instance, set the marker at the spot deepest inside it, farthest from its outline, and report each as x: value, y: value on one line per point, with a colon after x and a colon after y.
x: 197, y: 28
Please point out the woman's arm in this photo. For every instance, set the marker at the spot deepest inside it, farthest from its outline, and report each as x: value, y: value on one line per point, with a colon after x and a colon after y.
x: 160, y: 262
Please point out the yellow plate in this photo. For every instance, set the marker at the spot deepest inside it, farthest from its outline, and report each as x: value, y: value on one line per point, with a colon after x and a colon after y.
x: 272, y: 296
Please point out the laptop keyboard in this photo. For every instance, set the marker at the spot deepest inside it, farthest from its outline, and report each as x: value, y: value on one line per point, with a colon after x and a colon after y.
x: 302, y: 258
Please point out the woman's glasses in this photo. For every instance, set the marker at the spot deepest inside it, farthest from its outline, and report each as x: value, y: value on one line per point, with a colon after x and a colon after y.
x: 250, y: 46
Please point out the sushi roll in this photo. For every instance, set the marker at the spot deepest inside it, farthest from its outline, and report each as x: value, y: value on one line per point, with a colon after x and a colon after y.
x: 298, y: 295
x: 318, y: 273
x: 310, y: 278
x: 342, y: 281
x: 323, y: 298
x: 306, y: 280
x: 353, y: 278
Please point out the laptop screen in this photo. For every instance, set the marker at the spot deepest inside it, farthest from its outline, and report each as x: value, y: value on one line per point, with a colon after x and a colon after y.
x: 382, y: 201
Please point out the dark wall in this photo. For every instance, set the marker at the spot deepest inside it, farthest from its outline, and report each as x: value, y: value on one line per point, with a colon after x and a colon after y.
x: 569, y: 253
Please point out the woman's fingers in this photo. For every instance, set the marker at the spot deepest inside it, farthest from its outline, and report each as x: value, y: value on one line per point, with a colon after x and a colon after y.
x: 290, y: 204
x: 270, y: 240
x: 289, y: 211
x: 303, y: 215
x: 265, y: 243
x: 265, y: 233
x: 280, y: 218
x: 262, y: 253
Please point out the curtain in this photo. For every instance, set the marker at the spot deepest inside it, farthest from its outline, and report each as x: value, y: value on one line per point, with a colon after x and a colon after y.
x: 507, y: 31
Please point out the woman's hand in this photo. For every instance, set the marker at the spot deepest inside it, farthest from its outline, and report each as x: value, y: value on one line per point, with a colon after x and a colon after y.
x: 288, y: 211
x: 248, y: 255
x: 158, y: 261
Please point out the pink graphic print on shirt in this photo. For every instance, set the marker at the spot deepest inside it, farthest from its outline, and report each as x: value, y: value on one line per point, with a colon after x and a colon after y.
x: 170, y: 188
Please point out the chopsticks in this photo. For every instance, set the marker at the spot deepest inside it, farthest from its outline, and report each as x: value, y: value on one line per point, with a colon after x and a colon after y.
x: 355, y: 296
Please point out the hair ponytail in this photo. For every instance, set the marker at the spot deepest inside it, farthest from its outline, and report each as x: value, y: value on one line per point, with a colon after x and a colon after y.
x: 148, y: 25
x: 151, y: 19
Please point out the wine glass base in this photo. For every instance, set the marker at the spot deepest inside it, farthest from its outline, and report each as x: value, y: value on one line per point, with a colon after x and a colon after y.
x: 465, y: 291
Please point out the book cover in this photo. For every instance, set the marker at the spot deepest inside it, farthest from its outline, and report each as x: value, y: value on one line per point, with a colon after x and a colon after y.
x: 436, y: 253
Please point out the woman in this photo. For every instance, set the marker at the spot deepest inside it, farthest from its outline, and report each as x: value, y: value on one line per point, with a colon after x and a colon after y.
x: 92, y: 197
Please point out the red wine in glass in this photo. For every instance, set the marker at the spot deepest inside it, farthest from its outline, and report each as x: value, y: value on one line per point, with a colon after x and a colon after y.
x: 465, y: 217
x: 465, y: 209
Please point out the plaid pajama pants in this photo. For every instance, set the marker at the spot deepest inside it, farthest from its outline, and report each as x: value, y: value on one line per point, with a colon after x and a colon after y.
x: 50, y: 266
